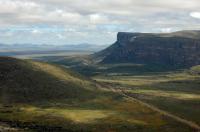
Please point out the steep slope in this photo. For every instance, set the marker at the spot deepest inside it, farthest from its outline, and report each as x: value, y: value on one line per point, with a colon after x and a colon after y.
x: 28, y: 81
x: 177, y: 49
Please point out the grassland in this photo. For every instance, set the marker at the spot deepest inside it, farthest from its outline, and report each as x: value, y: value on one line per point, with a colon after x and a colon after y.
x: 175, y: 92
x: 63, y: 53
x: 29, y: 54
x: 39, y: 96
x: 100, y: 114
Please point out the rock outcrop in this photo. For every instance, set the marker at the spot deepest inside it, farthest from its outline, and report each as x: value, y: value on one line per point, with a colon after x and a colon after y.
x: 177, y: 49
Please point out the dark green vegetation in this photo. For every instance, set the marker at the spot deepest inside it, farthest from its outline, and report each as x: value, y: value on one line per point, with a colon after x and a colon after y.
x: 86, y: 65
x: 28, y: 81
x: 47, y: 97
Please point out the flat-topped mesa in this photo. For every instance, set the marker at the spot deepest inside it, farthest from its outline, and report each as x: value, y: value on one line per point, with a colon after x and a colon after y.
x: 180, y: 49
x: 125, y: 37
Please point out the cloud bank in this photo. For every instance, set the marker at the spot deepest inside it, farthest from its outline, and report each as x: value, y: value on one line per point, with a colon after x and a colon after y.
x: 92, y: 21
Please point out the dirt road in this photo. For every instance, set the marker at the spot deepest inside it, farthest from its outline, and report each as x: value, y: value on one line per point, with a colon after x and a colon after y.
x: 165, y: 113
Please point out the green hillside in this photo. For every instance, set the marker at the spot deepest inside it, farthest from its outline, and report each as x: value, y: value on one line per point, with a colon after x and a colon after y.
x: 195, y: 70
x: 29, y: 81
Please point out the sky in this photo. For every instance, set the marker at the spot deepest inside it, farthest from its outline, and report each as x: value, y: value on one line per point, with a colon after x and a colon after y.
x: 60, y: 22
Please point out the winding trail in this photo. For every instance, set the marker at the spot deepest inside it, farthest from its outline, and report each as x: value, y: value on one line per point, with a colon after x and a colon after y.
x: 191, y: 124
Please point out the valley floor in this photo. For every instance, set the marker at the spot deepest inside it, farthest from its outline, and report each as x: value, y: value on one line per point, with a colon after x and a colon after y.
x: 141, y: 102
x: 175, y: 95
x: 99, y: 115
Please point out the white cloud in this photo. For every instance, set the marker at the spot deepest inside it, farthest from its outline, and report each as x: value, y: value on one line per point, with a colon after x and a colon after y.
x: 6, y: 34
x: 60, y: 36
x: 166, y: 30
x: 36, y: 31
x: 77, y: 12
x: 70, y: 29
x: 195, y: 15
x: 18, y: 6
x: 81, y: 20
x: 63, y: 16
x: 98, y: 19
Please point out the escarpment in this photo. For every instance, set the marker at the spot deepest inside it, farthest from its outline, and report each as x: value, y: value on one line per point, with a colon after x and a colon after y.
x: 177, y: 49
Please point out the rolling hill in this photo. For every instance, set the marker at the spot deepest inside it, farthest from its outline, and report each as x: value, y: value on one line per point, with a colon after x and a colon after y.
x: 26, y: 81
x: 177, y: 49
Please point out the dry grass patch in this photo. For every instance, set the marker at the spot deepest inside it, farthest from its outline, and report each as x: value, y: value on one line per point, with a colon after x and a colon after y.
x: 169, y: 94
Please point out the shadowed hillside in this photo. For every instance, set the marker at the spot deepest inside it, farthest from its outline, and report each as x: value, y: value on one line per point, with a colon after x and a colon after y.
x: 29, y: 81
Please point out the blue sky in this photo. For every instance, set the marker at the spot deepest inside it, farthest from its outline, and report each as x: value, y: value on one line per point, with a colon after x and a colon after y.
x: 92, y: 21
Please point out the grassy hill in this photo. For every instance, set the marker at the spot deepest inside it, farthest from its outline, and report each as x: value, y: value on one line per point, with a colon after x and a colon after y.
x: 195, y: 70
x: 29, y: 81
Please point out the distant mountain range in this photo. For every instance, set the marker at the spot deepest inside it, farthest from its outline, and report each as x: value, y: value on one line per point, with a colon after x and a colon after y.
x: 22, y: 50
x: 177, y: 49
x: 22, y: 47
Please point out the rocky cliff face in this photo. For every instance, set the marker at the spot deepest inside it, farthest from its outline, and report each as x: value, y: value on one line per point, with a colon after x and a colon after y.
x: 178, y: 49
